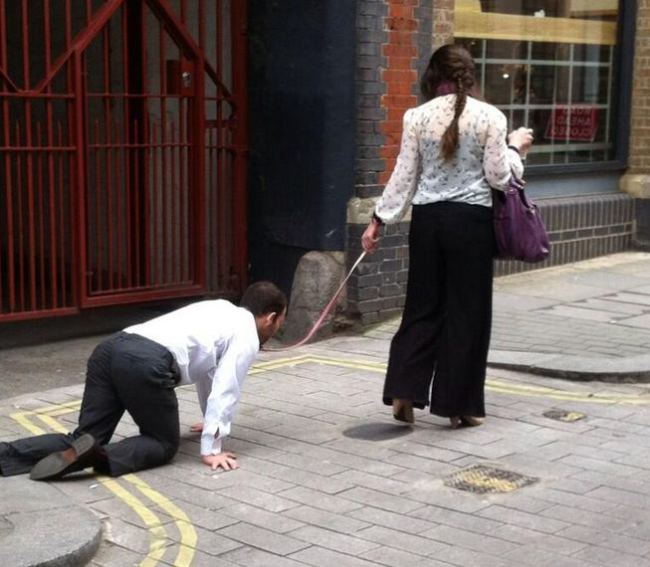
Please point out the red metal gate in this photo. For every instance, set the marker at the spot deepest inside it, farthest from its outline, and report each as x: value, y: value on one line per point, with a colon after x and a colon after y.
x: 122, y: 155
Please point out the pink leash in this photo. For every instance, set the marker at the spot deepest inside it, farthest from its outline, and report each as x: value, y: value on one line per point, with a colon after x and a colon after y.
x: 325, y: 312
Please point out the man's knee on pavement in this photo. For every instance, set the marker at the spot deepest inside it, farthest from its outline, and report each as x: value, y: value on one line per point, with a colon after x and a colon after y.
x: 170, y: 448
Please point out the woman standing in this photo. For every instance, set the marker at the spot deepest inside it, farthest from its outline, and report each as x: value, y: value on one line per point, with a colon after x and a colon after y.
x: 454, y: 150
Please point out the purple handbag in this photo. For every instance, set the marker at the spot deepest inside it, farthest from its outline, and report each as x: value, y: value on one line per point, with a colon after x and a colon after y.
x: 519, y: 230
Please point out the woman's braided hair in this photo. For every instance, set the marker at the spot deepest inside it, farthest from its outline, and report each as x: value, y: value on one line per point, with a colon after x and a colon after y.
x: 451, y: 64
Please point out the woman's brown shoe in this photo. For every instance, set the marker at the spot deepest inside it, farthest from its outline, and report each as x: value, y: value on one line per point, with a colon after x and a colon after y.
x: 465, y: 421
x: 403, y: 410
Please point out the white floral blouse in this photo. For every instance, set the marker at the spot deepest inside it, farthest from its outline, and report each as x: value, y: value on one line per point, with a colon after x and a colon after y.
x: 482, y: 161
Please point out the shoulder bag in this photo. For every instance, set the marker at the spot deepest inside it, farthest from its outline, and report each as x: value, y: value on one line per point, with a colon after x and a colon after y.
x: 519, y: 230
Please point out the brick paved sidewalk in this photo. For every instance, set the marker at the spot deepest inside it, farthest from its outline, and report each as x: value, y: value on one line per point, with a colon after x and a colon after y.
x: 598, y: 307
x: 327, y: 477
x: 589, y: 320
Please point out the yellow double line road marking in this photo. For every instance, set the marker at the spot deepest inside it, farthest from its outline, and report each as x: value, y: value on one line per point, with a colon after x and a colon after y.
x: 158, y: 540
x: 586, y: 397
x: 307, y: 358
x: 183, y: 524
x: 157, y: 532
x: 493, y: 385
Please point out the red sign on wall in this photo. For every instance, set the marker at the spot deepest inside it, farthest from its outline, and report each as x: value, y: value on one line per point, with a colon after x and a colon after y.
x: 577, y: 124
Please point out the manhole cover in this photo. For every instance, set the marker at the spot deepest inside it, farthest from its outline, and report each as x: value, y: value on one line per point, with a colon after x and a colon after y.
x: 564, y: 415
x: 485, y: 479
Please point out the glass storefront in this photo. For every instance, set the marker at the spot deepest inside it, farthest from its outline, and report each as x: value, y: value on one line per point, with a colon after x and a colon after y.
x: 548, y: 65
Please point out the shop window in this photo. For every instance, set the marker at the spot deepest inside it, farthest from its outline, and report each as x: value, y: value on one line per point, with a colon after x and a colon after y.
x: 548, y: 65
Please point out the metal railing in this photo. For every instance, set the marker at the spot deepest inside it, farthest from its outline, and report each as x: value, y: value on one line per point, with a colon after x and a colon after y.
x: 122, y: 153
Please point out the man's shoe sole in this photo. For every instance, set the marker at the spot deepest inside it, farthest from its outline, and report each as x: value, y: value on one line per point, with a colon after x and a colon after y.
x: 55, y: 466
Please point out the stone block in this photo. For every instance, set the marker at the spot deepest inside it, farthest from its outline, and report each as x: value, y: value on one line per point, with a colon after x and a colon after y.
x: 317, y: 277
x: 636, y: 185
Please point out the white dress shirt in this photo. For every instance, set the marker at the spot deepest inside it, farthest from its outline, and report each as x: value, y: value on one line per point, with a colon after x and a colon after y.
x: 482, y: 161
x: 214, y: 343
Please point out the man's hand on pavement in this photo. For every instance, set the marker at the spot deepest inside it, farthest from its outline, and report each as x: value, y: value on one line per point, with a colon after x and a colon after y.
x: 226, y: 461
x: 197, y: 427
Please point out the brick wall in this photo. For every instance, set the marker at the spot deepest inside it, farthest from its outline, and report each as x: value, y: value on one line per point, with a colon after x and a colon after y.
x: 580, y: 228
x: 399, y: 76
x: 424, y: 14
x: 636, y: 182
x: 394, y: 39
x: 371, y: 36
x: 640, y: 125
x: 443, y: 22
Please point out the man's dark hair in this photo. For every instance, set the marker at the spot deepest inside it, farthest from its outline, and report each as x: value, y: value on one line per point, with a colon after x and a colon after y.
x: 263, y: 297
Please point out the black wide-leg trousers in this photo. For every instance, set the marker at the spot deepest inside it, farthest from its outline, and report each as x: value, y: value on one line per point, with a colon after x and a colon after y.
x: 438, y: 356
x: 125, y: 372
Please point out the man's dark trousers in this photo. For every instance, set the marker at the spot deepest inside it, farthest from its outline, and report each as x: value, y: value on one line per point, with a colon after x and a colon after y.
x: 125, y: 372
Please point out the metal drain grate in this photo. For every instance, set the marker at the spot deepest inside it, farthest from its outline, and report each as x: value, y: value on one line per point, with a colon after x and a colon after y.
x: 564, y: 415
x: 485, y: 479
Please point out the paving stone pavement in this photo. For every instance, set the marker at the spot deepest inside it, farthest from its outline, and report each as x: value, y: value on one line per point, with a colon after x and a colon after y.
x: 600, y: 307
x: 327, y: 477
x: 588, y: 320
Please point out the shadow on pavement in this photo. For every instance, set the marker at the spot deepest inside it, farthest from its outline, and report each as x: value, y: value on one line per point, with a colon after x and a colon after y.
x: 377, y: 431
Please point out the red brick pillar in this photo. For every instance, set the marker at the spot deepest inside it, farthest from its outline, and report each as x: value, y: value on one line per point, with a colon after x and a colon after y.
x: 394, y: 46
x: 401, y: 54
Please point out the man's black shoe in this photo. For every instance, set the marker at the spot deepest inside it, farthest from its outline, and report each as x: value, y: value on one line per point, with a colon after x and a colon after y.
x: 82, y: 454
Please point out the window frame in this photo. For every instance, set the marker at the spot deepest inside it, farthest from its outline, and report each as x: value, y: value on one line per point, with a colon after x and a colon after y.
x: 623, y: 62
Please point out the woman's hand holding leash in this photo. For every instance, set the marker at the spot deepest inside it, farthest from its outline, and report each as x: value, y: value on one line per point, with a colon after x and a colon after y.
x: 371, y: 236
